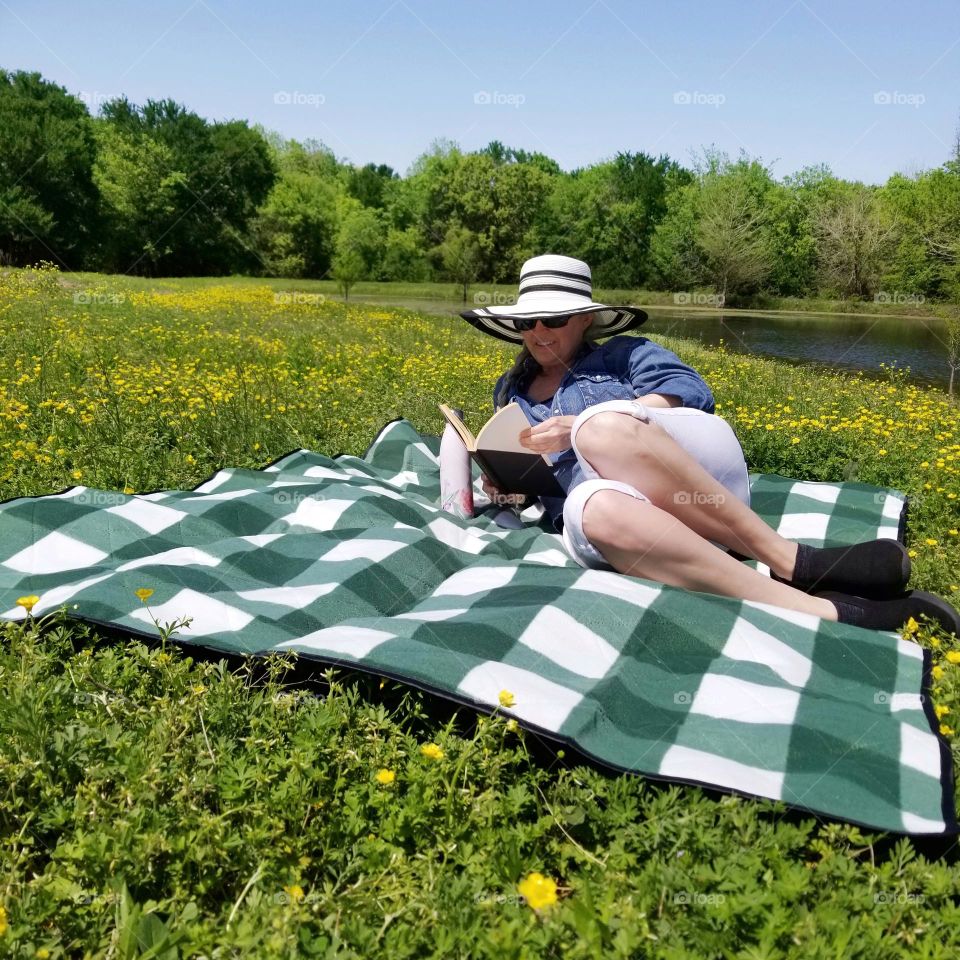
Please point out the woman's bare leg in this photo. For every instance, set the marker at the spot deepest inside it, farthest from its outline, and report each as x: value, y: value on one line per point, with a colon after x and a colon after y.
x: 639, y: 539
x: 643, y: 454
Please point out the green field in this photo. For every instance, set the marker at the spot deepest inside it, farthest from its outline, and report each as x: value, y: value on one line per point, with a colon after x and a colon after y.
x: 476, y: 294
x: 156, y: 805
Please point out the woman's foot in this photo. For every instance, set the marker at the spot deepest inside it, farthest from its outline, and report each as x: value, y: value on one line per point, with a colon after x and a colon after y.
x: 892, y: 614
x: 875, y: 569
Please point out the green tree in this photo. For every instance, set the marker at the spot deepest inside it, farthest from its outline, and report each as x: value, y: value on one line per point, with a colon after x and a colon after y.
x: 295, y: 230
x: 48, y: 197
x: 732, y: 228
x: 139, y: 187
x: 792, y: 205
x: 367, y: 184
x: 348, y: 268
x: 460, y: 254
x: 854, y: 241
x: 925, y: 212
x: 675, y: 259
x: 404, y: 256
x: 227, y: 171
x: 361, y: 232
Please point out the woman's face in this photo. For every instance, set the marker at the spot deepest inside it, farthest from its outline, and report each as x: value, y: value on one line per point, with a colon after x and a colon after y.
x: 556, y: 347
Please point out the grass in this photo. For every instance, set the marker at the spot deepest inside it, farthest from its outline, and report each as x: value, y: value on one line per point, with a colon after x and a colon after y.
x: 157, y: 804
x: 693, y: 300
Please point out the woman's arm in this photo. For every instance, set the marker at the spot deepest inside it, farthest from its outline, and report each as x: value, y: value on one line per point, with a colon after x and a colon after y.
x: 660, y: 400
x: 658, y: 372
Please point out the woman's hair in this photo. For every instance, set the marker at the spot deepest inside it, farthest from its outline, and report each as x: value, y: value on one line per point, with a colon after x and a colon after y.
x: 525, y: 367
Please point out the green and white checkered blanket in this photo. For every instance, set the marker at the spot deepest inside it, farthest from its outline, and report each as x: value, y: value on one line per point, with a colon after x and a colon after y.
x: 349, y: 561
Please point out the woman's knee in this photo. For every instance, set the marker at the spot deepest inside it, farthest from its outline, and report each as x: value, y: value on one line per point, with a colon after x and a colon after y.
x: 605, y: 520
x: 604, y: 433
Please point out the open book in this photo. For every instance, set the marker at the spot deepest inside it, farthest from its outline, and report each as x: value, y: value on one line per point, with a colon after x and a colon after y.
x: 499, y: 454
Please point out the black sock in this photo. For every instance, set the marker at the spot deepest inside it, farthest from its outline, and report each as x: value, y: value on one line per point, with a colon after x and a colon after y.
x: 876, y: 568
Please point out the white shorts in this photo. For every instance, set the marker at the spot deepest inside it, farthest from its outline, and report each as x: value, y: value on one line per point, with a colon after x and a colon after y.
x: 708, y: 438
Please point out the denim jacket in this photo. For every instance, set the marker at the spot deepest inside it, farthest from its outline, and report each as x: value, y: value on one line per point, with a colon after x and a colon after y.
x: 622, y: 368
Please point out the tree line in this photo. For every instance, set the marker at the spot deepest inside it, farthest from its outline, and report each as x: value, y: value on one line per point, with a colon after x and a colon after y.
x: 157, y: 190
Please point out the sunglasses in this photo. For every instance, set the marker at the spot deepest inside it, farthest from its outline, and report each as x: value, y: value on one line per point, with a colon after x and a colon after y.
x: 528, y: 323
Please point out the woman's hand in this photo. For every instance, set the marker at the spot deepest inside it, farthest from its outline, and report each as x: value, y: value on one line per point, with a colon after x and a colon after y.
x: 551, y: 436
x: 494, y: 493
x: 501, y: 498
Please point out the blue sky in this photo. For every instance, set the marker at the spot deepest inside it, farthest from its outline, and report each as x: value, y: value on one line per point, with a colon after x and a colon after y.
x: 870, y: 88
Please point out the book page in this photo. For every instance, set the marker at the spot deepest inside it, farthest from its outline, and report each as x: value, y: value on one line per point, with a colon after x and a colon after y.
x: 465, y: 435
x: 501, y: 431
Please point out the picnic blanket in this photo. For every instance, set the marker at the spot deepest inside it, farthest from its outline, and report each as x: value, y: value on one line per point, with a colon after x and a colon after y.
x: 349, y: 561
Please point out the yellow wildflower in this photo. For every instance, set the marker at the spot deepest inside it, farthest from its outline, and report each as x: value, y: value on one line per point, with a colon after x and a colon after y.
x: 910, y: 627
x: 937, y: 672
x: 28, y: 603
x: 512, y: 725
x: 539, y: 891
x: 144, y: 593
x: 953, y: 656
x: 3, y: 921
x: 945, y: 730
x: 940, y: 710
x: 506, y: 698
x: 385, y: 777
x: 930, y: 542
x: 294, y: 891
x: 432, y: 751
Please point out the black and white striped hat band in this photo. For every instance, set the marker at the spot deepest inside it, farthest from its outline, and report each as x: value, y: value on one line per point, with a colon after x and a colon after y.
x: 556, y: 280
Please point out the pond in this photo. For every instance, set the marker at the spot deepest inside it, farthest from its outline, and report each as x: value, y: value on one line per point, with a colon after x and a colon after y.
x: 838, y: 341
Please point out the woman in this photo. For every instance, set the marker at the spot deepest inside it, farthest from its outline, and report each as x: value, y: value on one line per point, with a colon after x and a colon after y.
x: 656, y: 484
